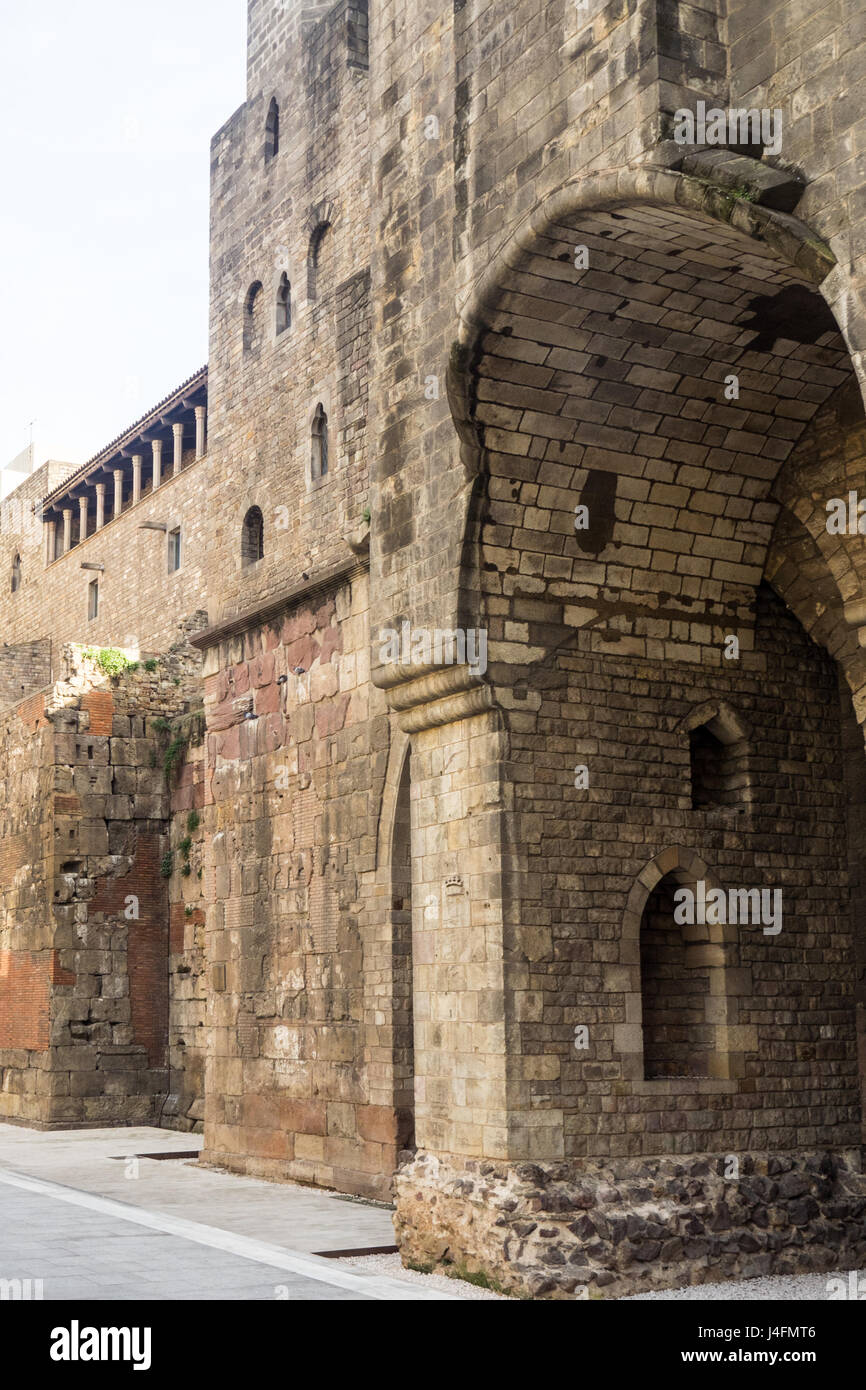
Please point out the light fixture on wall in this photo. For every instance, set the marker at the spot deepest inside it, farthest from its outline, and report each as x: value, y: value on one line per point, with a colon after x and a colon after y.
x: 92, y: 565
x: 153, y: 526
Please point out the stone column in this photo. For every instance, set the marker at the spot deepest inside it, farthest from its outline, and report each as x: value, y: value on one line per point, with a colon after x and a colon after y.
x: 137, y: 462
x: 118, y: 491
x: 82, y: 519
x: 157, y: 463
x: 67, y: 529
x: 100, y: 506
x: 200, y: 417
x: 177, y: 431
x: 470, y: 1096
x: 50, y: 531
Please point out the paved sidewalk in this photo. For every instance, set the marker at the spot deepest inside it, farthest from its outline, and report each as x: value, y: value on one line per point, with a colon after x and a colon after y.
x: 76, y: 1213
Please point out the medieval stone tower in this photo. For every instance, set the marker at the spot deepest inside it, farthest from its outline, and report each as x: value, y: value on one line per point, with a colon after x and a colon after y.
x: 484, y: 802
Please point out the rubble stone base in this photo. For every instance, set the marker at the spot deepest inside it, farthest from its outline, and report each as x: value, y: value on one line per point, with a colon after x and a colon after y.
x: 604, y: 1230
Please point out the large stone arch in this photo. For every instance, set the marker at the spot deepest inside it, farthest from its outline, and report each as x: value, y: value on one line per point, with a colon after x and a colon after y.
x: 608, y: 384
x: 789, y: 237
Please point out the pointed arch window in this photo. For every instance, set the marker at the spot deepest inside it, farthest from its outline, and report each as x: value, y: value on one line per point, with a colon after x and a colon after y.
x: 686, y: 995
x: 253, y: 318
x: 272, y: 132
x: 319, y: 464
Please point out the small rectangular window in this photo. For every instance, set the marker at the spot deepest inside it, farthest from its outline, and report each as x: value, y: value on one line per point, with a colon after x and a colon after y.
x: 174, y: 550
x: 92, y: 600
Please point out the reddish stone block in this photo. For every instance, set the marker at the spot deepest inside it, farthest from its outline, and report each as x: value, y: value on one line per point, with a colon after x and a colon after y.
x: 301, y: 652
x: 262, y: 670
x: 268, y: 699
x: 330, y: 718
x: 304, y: 1116
x: 228, y: 746
x: 377, y: 1123
x: 298, y: 625
x: 332, y: 641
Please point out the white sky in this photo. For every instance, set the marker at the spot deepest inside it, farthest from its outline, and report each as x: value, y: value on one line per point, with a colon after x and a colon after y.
x: 107, y: 111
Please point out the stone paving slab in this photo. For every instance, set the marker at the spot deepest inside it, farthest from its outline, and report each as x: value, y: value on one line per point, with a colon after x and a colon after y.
x: 301, y: 1218
x: 78, y: 1255
x: 72, y: 1218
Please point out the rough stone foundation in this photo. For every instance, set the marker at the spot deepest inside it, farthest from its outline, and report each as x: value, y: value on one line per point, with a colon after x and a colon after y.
x: 594, y: 1230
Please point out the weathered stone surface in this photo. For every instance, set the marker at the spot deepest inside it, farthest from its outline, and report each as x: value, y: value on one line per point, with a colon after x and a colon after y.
x: 447, y: 1216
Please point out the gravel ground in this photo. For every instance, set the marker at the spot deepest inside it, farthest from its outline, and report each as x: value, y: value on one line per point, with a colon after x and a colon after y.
x: 778, y: 1286
x: 801, y: 1287
x: 390, y: 1265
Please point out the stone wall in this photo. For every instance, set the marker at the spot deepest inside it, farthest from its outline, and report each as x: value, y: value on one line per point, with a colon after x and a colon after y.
x: 786, y: 1008
x: 387, y: 904
x: 187, y: 1021
x: 300, y: 1078
x: 605, y: 1230
x: 85, y: 927
x: 141, y: 603
x: 28, y: 961
x: 315, y: 233
x: 25, y: 667
x: 809, y: 65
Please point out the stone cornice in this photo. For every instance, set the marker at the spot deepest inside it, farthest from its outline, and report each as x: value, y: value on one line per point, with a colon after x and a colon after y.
x: 274, y: 608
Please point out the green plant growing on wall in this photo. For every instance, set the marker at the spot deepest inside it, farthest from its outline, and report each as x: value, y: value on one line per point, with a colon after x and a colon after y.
x: 174, y: 754
x: 185, y: 846
x: 193, y: 821
x: 186, y: 870
x: 366, y: 515
x: 166, y: 868
x: 110, y: 660
x: 151, y: 664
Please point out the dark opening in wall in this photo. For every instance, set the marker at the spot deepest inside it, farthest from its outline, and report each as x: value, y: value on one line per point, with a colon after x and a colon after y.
x: 272, y: 132
x: 92, y: 600
x: 358, y: 33
x: 314, y: 258
x: 677, y: 965
x: 284, y: 305
x: 16, y: 574
x: 252, y: 537
x: 319, y: 461
x: 174, y: 550
x: 253, y: 318
x: 718, y: 757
